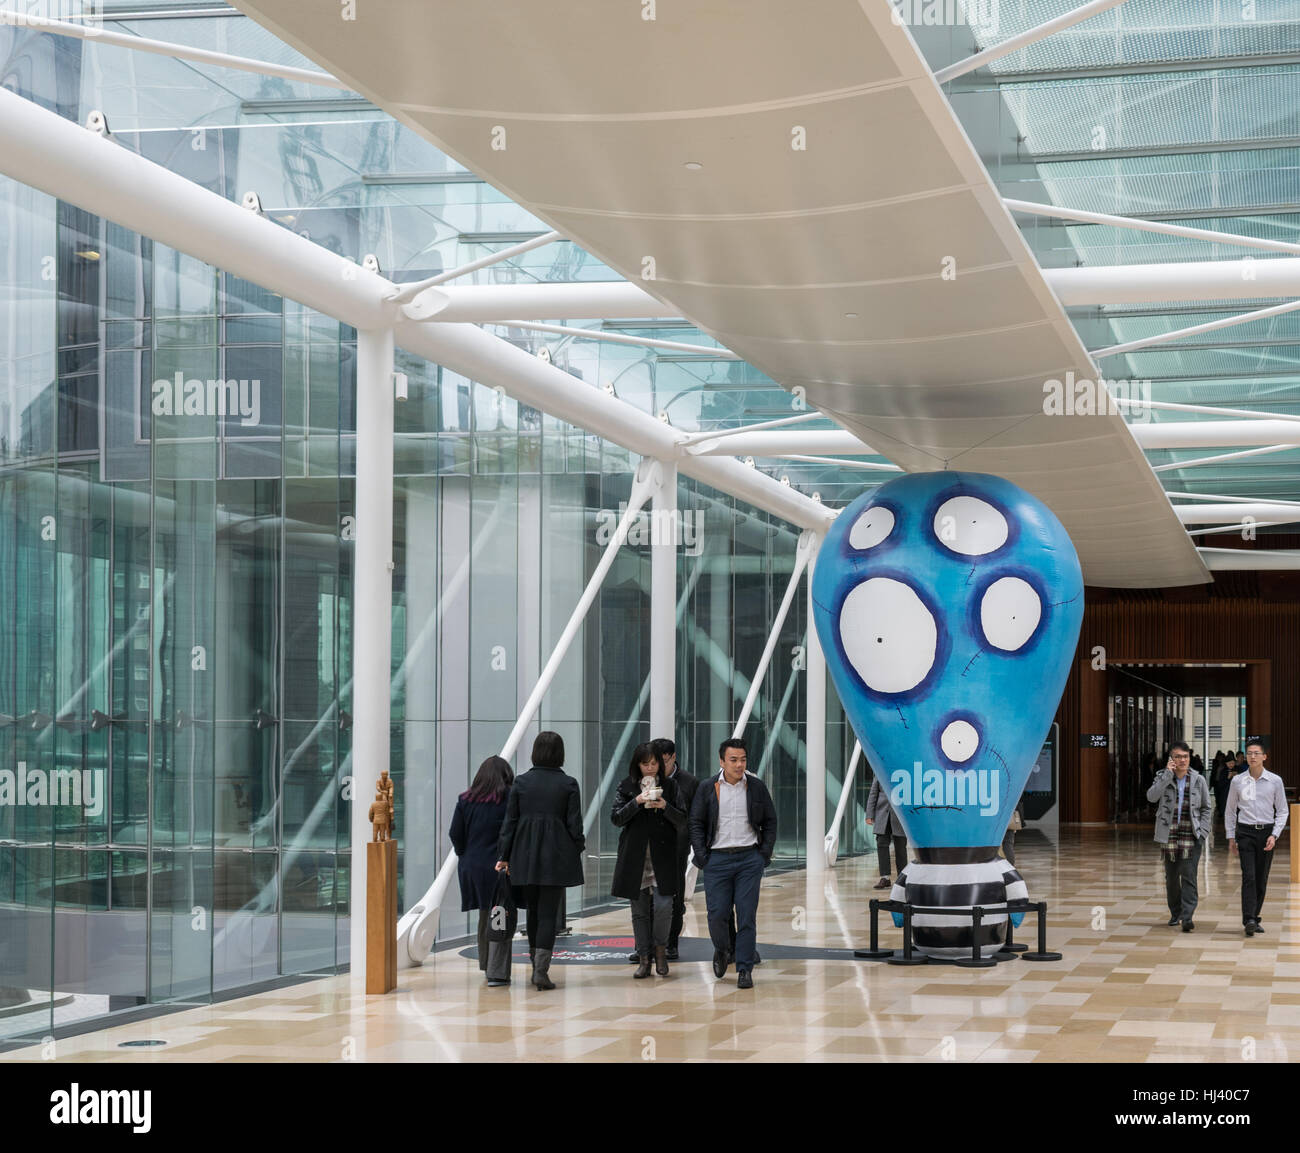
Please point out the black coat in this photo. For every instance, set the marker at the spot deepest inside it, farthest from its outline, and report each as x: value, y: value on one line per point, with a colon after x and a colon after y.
x: 475, y: 831
x: 688, y: 786
x: 542, y: 835
x: 657, y: 828
x: 704, y: 817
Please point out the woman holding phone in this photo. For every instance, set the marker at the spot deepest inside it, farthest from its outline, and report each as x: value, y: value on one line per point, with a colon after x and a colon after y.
x: 649, y: 809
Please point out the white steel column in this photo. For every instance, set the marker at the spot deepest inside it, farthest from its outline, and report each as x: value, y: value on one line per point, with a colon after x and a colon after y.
x: 815, y: 737
x: 802, y: 553
x: 372, y: 608
x: 1247, y: 279
x: 832, y: 845
x: 663, y: 605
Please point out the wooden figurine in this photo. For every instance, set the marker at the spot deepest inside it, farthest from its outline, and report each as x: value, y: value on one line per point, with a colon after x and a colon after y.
x: 380, y: 816
x: 385, y: 786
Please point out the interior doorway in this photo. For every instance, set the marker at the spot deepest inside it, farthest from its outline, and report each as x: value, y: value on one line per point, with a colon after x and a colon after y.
x: 1152, y: 705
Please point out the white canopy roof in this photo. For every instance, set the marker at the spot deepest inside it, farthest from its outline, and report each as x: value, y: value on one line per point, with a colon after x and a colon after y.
x: 795, y: 182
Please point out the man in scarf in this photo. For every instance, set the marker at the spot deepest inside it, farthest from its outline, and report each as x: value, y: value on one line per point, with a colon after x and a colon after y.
x: 1183, y: 815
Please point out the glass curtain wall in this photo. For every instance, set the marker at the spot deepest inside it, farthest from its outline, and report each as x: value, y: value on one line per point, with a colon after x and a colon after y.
x: 176, y: 531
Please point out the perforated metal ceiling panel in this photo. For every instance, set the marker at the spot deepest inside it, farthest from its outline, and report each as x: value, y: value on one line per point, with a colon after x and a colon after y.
x: 823, y: 265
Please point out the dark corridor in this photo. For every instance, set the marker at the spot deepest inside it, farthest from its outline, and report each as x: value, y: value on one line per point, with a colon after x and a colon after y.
x: 1150, y: 706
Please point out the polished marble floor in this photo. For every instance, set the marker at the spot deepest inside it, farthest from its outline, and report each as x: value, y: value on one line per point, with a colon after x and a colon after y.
x: 1128, y: 989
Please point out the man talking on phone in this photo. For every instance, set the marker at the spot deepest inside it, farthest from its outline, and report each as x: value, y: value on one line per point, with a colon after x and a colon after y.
x: 1183, y: 815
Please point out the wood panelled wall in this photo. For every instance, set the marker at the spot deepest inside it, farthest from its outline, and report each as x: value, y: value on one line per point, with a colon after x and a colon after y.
x: 1154, y: 629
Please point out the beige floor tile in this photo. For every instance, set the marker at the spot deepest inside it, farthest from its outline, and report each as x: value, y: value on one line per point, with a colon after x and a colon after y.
x: 1136, y: 990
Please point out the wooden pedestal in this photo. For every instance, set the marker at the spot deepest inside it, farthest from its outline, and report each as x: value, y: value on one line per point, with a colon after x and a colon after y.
x: 381, y: 916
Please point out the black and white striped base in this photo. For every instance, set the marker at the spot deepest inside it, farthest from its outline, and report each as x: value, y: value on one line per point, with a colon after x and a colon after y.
x: 958, y: 879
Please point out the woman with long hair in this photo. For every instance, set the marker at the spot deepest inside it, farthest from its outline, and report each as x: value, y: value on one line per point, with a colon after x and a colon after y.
x: 541, y: 846
x: 475, y: 831
x: 648, y: 808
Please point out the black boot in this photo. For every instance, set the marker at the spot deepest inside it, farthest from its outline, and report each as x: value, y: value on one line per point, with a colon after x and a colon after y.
x: 541, y: 963
x: 644, y: 956
x: 661, y: 960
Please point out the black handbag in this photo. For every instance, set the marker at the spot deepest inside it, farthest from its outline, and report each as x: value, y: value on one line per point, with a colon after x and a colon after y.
x: 503, y: 916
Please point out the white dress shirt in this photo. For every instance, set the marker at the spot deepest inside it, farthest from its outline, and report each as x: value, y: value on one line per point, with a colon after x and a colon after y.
x: 1255, y: 802
x: 734, y: 829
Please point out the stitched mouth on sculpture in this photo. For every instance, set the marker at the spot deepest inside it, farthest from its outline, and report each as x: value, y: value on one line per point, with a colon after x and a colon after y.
x: 936, y: 788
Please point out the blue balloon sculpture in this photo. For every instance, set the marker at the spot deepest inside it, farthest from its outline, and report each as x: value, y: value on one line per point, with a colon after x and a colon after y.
x: 949, y: 605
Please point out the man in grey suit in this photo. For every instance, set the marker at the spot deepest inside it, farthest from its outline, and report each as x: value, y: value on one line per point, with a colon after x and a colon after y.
x: 880, y: 816
x: 1183, y: 814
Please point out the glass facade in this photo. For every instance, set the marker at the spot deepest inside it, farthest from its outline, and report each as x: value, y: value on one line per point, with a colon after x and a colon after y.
x: 176, y: 530
x: 1177, y: 111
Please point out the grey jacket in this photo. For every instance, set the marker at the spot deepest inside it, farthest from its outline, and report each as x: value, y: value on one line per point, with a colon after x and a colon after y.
x: 881, y: 812
x: 1163, y: 793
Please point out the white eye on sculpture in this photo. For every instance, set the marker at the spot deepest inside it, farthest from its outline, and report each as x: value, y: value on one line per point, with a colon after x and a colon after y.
x: 970, y: 526
x: 1009, y: 613
x: 871, y: 527
x: 959, y: 741
x: 889, y: 636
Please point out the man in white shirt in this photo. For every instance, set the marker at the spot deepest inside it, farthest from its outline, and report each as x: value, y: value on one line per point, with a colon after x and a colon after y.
x: 733, y: 835
x: 1254, y: 818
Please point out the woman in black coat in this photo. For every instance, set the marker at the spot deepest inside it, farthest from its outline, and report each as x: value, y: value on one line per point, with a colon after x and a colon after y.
x: 646, y: 872
x: 541, y: 845
x: 475, y: 832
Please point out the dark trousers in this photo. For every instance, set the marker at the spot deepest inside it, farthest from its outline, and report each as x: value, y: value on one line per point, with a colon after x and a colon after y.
x: 1180, y: 883
x: 731, y: 880
x: 543, y: 909
x: 679, y: 901
x: 882, y: 853
x: 652, y: 913
x: 1255, y: 864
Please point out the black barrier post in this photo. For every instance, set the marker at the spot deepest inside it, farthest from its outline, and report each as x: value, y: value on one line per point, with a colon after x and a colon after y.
x: 875, y: 952
x: 975, y: 961
x: 1011, y: 945
x: 907, y: 958
x: 1042, y: 954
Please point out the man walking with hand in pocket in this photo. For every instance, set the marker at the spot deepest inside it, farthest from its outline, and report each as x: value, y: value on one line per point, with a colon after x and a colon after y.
x: 733, y: 834
x: 1254, y: 818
